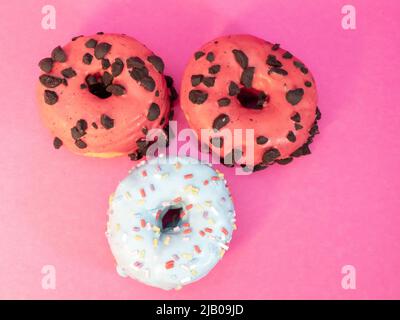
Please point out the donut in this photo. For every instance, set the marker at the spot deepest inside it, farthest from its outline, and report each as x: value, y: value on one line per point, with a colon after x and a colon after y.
x: 170, y: 221
x: 243, y: 82
x: 99, y: 95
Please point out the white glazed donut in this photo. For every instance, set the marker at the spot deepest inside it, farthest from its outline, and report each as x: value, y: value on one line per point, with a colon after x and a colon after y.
x: 170, y: 221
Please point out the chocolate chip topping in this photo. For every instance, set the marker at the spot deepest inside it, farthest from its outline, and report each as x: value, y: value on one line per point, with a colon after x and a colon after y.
x: 270, y: 155
x: 302, y: 151
x: 68, y: 73
x: 106, y: 121
x: 91, y: 43
x: 217, y: 142
x: 301, y: 66
x: 117, y: 67
x: 100, y: 33
x: 83, y: 86
x: 169, y: 81
x: 209, y: 81
x: 198, y: 54
x: 214, y: 69
x: 307, y: 84
x: 223, y: 102
x: 241, y: 58
x: 287, y: 55
x: 294, y: 96
x: 157, y: 63
x: 198, y: 96
x: 247, y: 77
x: 261, y: 140
x: 196, y: 79
x: 291, y: 136
x: 154, y: 112
x: 318, y: 114
x: 77, y: 37
x: 94, y: 125
x: 58, y: 54
x: 50, y: 97
x: 107, y: 78
x: 275, y: 47
x: 139, y: 73
x: 101, y: 50
x: 80, y: 144
x: 134, y: 62
x: 79, y: 130
x: 284, y: 161
x: 233, y: 89
x: 148, y: 83
x: 116, y: 89
x: 105, y: 64
x: 273, y: 62
x: 280, y: 71
x: 296, y: 117
x: 220, y: 121
x: 87, y: 58
x: 57, y: 143
x: 298, y: 126
x: 82, y: 125
x: 50, y: 81
x: 46, y: 64
x: 210, y: 57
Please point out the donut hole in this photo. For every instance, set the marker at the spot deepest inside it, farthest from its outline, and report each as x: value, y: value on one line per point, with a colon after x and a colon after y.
x: 251, y: 98
x: 171, y: 218
x: 97, y: 87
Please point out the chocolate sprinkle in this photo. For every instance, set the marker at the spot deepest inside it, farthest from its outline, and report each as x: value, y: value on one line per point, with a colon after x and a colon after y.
x: 296, y: 117
x: 302, y: 151
x: 50, y: 97
x: 247, y: 77
x: 233, y: 89
x: 148, y: 83
x: 80, y: 144
x: 46, y: 64
x: 50, y: 81
x: 294, y: 96
x: 287, y: 55
x: 106, y: 121
x: 68, y: 73
x: 214, y: 69
x: 291, y: 136
x: 134, y: 62
x: 105, y: 64
x: 116, y: 89
x: 157, y: 63
x: 298, y: 126
x: 58, y: 54
x: 198, y: 96
x: 209, y: 81
x: 91, y: 43
x: 196, y: 79
x: 107, y: 78
x: 87, y: 58
x: 210, y: 57
x: 273, y: 62
x: 117, y: 67
x: 261, y: 140
x: 154, y: 112
x: 101, y: 50
x: 57, y: 143
x: 280, y: 71
x: 198, y: 54
x: 308, y: 84
x: 275, y: 47
x: 217, y: 142
x: 241, y: 58
x: 169, y: 81
x: 220, y: 121
x: 223, y: 102
x: 270, y: 155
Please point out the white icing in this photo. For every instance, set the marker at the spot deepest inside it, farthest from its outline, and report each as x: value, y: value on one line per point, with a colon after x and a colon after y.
x: 172, y: 257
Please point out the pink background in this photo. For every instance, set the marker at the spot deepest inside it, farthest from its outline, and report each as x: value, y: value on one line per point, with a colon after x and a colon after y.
x: 298, y: 225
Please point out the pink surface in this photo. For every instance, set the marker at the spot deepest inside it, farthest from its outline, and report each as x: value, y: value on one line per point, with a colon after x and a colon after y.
x: 298, y: 225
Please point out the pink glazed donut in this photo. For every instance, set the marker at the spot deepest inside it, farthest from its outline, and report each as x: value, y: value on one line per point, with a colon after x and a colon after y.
x: 99, y: 95
x: 243, y: 82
